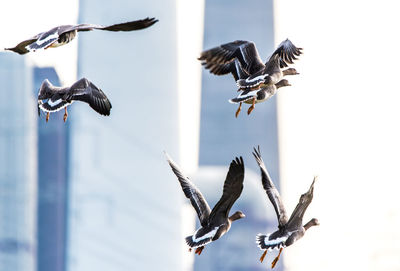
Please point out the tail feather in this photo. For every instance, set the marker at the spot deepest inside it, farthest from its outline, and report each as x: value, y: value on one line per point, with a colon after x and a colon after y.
x: 60, y: 104
x: 244, y: 96
x: 263, y: 242
x: 192, y: 244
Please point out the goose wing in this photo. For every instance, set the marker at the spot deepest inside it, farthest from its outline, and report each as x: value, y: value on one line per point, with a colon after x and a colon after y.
x: 296, y: 219
x: 128, y: 26
x: 271, y: 190
x: 191, y: 192
x: 284, y: 55
x: 85, y: 91
x: 245, y: 51
x: 234, y: 67
x: 233, y: 187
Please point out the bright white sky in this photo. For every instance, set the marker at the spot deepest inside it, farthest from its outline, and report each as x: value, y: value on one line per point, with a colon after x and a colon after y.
x: 341, y: 121
x: 21, y: 20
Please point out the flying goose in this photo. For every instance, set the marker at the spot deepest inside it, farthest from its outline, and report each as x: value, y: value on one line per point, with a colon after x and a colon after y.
x: 52, y: 98
x: 257, y: 96
x: 63, y: 34
x: 255, y: 74
x: 215, y: 222
x: 289, y: 230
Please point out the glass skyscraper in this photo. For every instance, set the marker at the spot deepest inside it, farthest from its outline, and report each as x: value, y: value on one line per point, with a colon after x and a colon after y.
x: 18, y: 171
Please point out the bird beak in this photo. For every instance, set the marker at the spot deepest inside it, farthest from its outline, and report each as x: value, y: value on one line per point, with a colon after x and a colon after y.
x: 311, y: 190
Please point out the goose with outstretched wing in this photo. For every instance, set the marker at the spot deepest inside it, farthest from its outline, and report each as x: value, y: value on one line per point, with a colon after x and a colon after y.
x: 63, y: 34
x: 289, y: 229
x: 241, y: 59
x: 216, y: 222
x: 52, y: 98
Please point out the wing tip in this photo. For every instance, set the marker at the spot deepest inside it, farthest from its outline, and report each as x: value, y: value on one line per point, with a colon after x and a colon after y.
x: 257, y: 154
x: 170, y: 161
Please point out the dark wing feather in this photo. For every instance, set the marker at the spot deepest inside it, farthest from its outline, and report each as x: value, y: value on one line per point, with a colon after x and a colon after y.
x: 296, y: 219
x: 233, y: 67
x: 128, y: 26
x: 272, y: 192
x: 191, y: 192
x: 286, y: 52
x: 233, y: 187
x: 245, y: 51
x: 85, y: 91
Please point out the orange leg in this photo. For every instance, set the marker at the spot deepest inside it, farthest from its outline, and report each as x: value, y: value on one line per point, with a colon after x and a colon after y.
x: 47, y: 116
x: 238, y: 110
x: 276, y: 259
x: 263, y: 255
x: 252, y: 106
x: 65, y: 115
x: 199, y: 250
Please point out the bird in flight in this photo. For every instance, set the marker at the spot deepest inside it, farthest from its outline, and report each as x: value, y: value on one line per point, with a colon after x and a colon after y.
x: 241, y: 59
x: 52, y: 98
x: 289, y: 230
x: 215, y: 222
x: 63, y: 34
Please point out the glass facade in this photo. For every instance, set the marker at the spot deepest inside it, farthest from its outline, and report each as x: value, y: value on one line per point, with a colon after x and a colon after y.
x: 222, y: 136
x: 18, y: 171
x: 125, y: 206
x: 52, y: 182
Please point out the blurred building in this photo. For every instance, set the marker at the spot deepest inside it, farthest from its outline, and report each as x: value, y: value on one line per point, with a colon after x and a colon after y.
x: 18, y: 160
x: 52, y: 182
x: 125, y: 207
x: 222, y: 136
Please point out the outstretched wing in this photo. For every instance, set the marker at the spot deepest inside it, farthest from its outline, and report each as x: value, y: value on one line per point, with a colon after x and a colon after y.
x: 233, y: 187
x: 85, y: 91
x: 128, y: 26
x: 296, y: 219
x: 192, y: 193
x: 272, y: 192
x: 285, y: 54
x: 245, y: 51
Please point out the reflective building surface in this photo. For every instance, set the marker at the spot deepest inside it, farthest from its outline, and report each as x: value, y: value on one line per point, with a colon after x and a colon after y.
x: 222, y: 136
x: 18, y: 159
x: 52, y: 182
x: 125, y: 206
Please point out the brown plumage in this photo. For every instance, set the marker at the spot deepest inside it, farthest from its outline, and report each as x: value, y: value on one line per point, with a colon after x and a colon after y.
x: 63, y: 34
